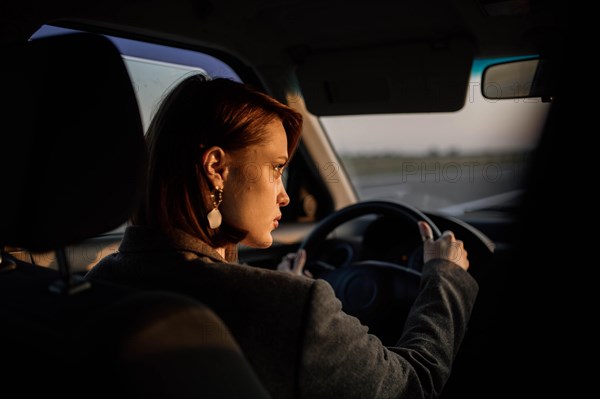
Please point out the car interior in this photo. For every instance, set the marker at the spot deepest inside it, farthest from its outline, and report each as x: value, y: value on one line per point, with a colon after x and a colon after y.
x: 444, y: 111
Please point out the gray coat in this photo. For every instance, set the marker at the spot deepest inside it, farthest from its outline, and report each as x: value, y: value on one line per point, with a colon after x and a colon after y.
x: 292, y: 329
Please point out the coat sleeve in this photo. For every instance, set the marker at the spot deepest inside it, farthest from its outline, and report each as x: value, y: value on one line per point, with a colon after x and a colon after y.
x: 341, y: 360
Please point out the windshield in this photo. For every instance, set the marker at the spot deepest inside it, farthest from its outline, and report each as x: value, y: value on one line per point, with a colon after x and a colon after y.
x: 455, y: 162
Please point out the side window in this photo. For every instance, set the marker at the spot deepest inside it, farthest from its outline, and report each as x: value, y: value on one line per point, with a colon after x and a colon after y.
x: 152, y: 79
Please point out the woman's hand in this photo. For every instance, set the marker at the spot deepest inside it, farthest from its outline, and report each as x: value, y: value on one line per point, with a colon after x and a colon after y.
x: 446, y: 247
x: 294, y: 263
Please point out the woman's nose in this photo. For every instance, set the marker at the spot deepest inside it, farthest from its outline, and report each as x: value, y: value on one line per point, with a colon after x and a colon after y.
x: 283, y: 199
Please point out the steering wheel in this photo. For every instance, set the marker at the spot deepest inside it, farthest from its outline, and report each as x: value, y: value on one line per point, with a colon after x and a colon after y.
x: 378, y: 293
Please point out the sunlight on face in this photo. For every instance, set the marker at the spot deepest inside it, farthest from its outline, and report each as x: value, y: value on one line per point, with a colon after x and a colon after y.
x: 254, y: 190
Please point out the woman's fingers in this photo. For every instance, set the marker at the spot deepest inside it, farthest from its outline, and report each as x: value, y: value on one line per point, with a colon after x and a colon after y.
x: 426, y: 232
x: 447, y: 247
x: 294, y: 263
x: 299, y: 262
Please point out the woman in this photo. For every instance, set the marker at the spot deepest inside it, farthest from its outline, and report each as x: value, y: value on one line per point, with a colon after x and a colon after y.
x: 217, y: 150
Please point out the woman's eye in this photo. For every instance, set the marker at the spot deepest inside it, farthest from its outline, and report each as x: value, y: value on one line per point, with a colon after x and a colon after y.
x: 279, y: 168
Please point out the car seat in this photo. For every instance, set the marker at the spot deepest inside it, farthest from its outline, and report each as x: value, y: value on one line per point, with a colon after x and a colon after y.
x: 72, y: 161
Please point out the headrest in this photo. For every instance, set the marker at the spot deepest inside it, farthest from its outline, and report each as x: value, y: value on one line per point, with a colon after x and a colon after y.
x: 72, y: 152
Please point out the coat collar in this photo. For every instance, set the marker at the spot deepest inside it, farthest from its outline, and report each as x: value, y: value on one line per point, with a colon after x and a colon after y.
x: 145, y: 239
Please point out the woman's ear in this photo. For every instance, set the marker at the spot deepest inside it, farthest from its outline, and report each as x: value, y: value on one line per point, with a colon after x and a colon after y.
x: 214, y: 165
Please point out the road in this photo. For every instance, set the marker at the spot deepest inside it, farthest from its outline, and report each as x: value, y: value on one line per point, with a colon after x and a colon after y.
x: 441, y: 185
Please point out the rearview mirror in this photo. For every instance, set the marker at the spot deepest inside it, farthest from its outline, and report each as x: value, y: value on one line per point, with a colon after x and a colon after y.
x: 519, y: 79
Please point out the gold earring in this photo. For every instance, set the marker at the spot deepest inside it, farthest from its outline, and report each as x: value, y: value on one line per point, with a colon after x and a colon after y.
x: 214, y: 216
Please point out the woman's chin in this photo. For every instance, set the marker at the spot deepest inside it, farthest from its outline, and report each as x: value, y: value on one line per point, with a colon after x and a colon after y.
x: 264, y: 242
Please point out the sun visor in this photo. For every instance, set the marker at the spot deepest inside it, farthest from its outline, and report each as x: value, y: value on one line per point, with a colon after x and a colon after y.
x: 404, y: 78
